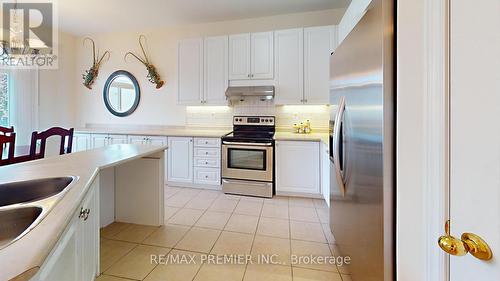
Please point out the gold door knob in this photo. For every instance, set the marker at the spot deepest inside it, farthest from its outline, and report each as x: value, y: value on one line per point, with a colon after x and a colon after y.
x: 469, y: 243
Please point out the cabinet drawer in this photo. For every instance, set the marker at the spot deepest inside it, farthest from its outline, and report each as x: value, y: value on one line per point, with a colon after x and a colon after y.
x: 207, y: 142
x: 207, y: 176
x: 206, y: 162
x: 206, y: 152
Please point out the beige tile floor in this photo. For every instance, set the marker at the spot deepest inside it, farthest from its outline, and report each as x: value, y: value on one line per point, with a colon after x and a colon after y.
x: 200, y: 222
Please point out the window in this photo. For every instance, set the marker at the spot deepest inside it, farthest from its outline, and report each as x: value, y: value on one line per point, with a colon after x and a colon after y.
x: 4, y: 100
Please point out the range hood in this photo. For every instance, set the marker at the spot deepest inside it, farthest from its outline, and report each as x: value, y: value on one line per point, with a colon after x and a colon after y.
x: 242, y: 93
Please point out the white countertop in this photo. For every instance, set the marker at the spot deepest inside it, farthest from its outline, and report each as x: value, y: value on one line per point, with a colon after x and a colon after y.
x: 30, y: 251
x: 288, y: 136
x: 167, y: 131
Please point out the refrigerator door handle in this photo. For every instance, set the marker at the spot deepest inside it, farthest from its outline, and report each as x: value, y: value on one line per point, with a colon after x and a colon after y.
x: 336, y: 145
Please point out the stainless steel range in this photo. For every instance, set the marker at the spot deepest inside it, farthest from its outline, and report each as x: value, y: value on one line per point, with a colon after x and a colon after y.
x: 248, y: 157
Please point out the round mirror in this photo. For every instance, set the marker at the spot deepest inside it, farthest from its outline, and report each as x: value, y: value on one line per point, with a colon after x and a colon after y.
x: 121, y: 93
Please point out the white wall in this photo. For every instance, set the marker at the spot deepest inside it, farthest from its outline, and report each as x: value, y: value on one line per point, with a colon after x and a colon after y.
x: 158, y: 107
x: 57, y: 97
x: 352, y: 15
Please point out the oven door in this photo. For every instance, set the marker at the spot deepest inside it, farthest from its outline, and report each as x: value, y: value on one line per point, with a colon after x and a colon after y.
x: 247, y: 161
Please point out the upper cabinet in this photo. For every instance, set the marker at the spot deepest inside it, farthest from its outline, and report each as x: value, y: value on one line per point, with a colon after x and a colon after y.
x: 319, y: 43
x: 190, y: 71
x: 303, y: 65
x: 215, y: 70
x: 251, y: 56
x: 203, y: 71
x: 289, y: 66
x: 239, y: 57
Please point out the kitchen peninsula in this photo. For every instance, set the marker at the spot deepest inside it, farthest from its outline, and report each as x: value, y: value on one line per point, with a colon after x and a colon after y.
x: 127, y: 179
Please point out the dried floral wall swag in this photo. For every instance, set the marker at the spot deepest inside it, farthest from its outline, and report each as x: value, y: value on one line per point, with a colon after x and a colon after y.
x: 91, y: 74
x: 153, y: 75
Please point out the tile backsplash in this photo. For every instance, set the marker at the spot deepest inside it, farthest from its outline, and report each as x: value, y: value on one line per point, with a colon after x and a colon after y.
x: 286, y: 115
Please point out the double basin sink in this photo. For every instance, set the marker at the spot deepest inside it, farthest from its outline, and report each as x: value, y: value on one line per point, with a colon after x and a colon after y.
x: 24, y: 204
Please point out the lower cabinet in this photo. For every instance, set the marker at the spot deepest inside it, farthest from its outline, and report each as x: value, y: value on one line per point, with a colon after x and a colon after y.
x: 297, y: 167
x: 194, y: 161
x: 325, y: 172
x: 180, y: 159
x: 101, y: 140
x: 81, y: 142
x: 76, y: 255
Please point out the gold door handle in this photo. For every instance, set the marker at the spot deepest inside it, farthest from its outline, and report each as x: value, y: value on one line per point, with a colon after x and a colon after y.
x: 469, y: 243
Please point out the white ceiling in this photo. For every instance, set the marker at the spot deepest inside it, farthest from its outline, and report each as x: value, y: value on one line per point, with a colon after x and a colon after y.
x: 99, y: 16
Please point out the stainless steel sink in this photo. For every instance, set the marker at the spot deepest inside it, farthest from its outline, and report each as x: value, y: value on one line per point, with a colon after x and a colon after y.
x: 24, y: 204
x: 32, y: 190
x: 15, y: 222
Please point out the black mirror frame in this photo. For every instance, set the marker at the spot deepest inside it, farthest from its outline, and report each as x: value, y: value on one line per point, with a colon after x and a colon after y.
x: 106, y: 89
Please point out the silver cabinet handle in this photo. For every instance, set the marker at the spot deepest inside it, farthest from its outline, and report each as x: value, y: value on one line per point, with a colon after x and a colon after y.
x: 336, y: 145
x: 248, y: 75
x: 84, y: 214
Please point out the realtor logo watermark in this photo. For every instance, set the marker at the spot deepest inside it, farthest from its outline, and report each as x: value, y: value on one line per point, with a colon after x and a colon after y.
x: 29, y: 34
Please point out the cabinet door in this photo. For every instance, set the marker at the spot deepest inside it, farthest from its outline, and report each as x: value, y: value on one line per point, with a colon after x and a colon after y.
x: 81, y: 142
x: 117, y: 139
x: 317, y: 50
x: 239, y: 57
x: 262, y: 55
x: 161, y: 141
x: 297, y: 166
x: 325, y: 172
x: 64, y: 262
x: 289, y: 66
x: 190, y: 72
x: 99, y: 140
x: 180, y: 159
x: 216, y: 69
x: 90, y: 234
x: 137, y: 139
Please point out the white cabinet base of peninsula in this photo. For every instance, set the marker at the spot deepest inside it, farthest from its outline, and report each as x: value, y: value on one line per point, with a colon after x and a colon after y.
x: 76, y: 255
x: 298, y: 168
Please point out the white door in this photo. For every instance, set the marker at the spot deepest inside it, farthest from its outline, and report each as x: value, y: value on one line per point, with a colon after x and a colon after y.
x: 216, y: 69
x: 81, y: 142
x: 90, y: 234
x: 317, y: 50
x: 297, y: 167
x: 180, y: 159
x: 190, y: 71
x: 289, y: 63
x: 475, y: 133
x: 158, y: 140
x: 262, y: 55
x: 117, y: 139
x: 137, y: 139
x: 239, y: 57
x: 99, y: 140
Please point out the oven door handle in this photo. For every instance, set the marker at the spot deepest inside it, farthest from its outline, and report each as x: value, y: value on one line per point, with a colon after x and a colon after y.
x: 247, y: 182
x: 247, y: 143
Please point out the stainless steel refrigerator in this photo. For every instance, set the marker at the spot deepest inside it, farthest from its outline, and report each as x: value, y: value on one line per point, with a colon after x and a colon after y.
x: 362, y: 145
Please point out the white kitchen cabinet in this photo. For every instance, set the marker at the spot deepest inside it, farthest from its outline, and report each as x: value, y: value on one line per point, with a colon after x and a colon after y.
x: 216, y: 64
x: 76, y: 254
x: 81, y: 142
x: 319, y: 42
x: 325, y: 172
x: 190, y: 71
x: 251, y: 56
x: 289, y: 62
x: 239, y: 57
x: 136, y: 139
x: 262, y: 55
x: 101, y: 140
x: 297, y: 168
x: 180, y: 159
x: 207, y: 157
